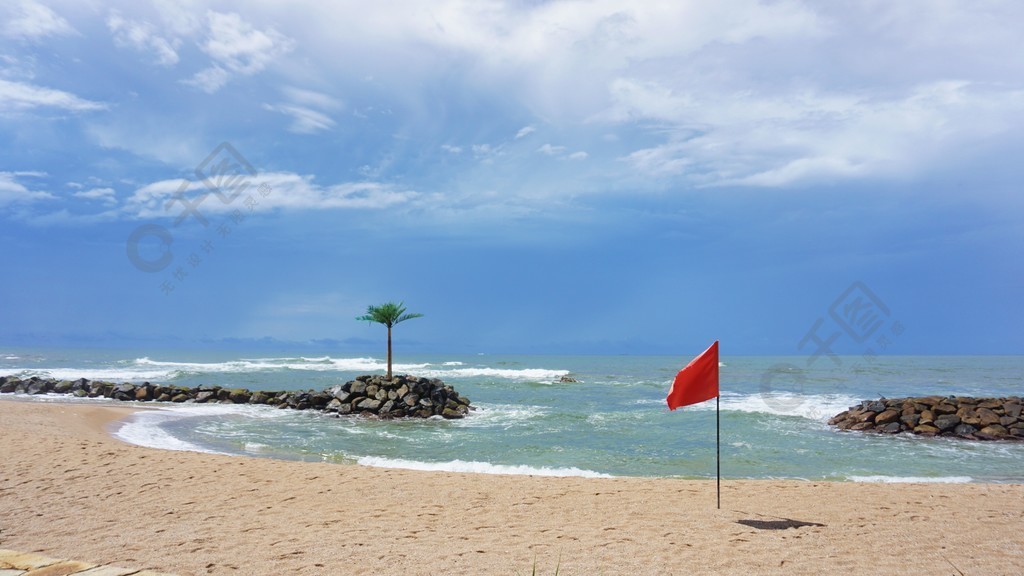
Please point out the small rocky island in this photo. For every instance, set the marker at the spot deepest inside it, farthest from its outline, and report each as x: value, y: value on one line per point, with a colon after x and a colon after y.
x: 956, y: 416
x: 368, y: 396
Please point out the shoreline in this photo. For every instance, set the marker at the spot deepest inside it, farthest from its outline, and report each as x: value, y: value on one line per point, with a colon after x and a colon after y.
x: 131, y: 410
x: 70, y: 489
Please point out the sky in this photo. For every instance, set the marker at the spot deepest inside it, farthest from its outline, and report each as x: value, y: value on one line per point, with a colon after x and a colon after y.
x: 562, y: 177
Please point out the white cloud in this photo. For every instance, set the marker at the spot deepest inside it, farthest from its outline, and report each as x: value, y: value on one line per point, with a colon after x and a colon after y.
x: 551, y: 150
x: 743, y: 92
x: 20, y: 96
x: 525, y: 131
x: 14, y: 192
x: 764, y: 140
x: 236, y: 48
x: 304, y: 120
x: 210, y: 79
x: 31, y: 20
x: 312, y: 99
x: 268, y: 191
x: 142, y: 36
x: 105, y: 195
x: 562, y: 152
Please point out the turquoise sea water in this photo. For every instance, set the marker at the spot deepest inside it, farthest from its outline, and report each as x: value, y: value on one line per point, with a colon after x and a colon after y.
x: 612, y: 422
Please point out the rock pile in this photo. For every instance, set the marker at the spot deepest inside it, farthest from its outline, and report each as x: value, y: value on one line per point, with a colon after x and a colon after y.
x: 958, y: 416
x: 375, y: 396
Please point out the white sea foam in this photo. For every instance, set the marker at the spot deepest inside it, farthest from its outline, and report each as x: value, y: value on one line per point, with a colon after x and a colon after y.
x: 476, y: 467
x: 819, y: 407
x: 146, y: 368
x: 500, y: 416
x: 111, y: 374
x: 533, y: 374
x: 912, y: 479
x: 145, y: 428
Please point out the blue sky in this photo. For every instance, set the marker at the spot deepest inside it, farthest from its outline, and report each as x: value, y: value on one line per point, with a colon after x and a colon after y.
x: 557, y: 177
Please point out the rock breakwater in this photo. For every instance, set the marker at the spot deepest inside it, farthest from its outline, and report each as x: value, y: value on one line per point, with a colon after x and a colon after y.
x: 371, y: 396
x: 957, y: 416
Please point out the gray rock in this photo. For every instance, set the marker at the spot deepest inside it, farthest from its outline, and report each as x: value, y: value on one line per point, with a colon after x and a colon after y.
x: 890, y: 428
x: 875, y: 406
x: 947, y: 422
x: 368, y: 404
x: 911, y: 420
x: 206, y: 396
x: 964, y: 430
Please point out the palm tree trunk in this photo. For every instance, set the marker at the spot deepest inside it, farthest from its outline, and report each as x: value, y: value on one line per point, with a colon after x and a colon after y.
x: 389, y: 352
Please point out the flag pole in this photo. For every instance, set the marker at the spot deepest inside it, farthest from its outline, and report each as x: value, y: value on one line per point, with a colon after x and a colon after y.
x: 718, y: 451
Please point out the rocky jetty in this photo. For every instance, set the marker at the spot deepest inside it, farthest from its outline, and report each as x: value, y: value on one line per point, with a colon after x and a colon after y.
x: 371, y: 396
x: 956, y: 416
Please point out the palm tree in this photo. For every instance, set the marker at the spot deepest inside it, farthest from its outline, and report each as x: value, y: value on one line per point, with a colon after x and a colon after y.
x: 388, y: 314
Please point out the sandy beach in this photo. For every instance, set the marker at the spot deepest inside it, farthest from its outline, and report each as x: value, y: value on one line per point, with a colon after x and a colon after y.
x: 69, y: 489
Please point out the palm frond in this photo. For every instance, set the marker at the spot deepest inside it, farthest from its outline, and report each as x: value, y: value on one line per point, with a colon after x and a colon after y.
x: 388, y: 314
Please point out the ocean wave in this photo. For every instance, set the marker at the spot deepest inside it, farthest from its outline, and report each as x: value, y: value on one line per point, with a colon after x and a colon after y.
x: 533, y: 374
x: 144, y: 429
x: 146, y: 368
x: 818, y: 407
x: 477, y: 467
x: 500, y: 416
x: 109, y: 374
x: 912, y: 479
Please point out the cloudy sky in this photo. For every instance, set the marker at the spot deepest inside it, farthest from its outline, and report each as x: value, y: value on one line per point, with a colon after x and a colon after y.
x: 563, y: 176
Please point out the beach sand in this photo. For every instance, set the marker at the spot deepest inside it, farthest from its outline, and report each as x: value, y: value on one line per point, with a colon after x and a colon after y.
x: 68, y: 489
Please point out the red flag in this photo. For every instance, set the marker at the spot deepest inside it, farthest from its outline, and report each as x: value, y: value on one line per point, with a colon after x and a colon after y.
x: 697, y: 382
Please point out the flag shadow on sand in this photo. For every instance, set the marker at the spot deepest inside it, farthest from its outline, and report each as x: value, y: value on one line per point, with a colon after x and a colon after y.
x: 781, y: 524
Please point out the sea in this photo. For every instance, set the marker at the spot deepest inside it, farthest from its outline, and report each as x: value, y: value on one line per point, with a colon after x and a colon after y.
x: 770, y: 421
